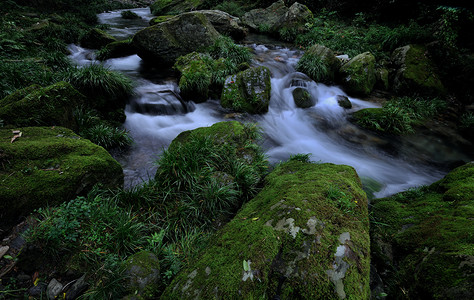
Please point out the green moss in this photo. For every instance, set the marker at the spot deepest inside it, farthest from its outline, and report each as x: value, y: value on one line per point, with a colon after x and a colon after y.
x: 289, y: 233
x: 160, y: 19
x: 430, y: 237
x: 359, y: 74
x: 47, y: 166
x: 52, y: 105
x: 248, y: 91
x: 196, y: 76
x: 143, y: 270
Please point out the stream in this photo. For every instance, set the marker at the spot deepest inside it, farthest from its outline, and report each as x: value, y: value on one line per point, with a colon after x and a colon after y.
x: 155, y: 116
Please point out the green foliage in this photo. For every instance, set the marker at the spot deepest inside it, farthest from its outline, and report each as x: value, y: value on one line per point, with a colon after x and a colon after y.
x: 231, y: 7
x: 301, y: 157
x: 97, y: 80
x: 344, y: 201
x: 313, y: 66
x: 225, y: 48
x: 399, y: 115
x: 467, y: 120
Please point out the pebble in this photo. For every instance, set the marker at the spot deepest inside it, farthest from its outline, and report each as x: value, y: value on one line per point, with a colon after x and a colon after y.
x: 53, y: 289
x: 3, y: 250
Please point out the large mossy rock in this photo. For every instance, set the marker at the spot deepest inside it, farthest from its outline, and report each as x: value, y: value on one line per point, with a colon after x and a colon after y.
x: 169, y: 7
x: 319, y: 63
x: 47, y: 166
x: 96, y: 39
x: 279, y: 19
x: 358, y: 75
x: 294, y: 240
x: 302, y: 98
x: 248, y: 91
x: 415, y: 72
x: 423, y: 245
x: 163, y: 43
x: 225, y: 24
x: 37, y: 106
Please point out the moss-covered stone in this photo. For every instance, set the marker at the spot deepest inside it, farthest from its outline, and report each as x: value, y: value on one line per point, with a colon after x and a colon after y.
x: 293, y: 240
x: 196, y: 76
x: 117, y: 49
x: 358, y: 75
x: 47, y: 166
x: 425, y: 244
x: 302, y: 98
x: 50, y: 165
x: 34, y: 105
x: 344, y: 102
x: 163, y: 43
x: 415, y: 72
x: 163, y: 7
x: 248, y: 91
x: 143, y: 271
x: 96, y: 39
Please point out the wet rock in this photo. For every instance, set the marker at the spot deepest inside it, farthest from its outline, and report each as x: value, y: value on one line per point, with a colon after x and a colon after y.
x: 382, y: 79
x: 415, y: 72
x: 117, y: 49
x: 294, y: 240
x: 265, y: 19
x: 344, y: 102
x: 302, y: 98
x: 358, y: 75
x: 163, y: 43
x: 248, y: 91
x: 53, y: 289
x: 143, y: 269
x: 79, y: 287
x: 96, y: 39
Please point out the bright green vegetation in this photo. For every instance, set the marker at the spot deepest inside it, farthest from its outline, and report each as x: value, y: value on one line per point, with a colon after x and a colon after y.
x: 425, y: 242
x: 204, y: 74
x: 283, y: 242
x: 49, y: 166
x: 399, y: 115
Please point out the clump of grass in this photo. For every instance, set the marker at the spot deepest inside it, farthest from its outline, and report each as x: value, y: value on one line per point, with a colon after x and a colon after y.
x: 313, y: 66
x: 96, y: 80
x: 301, y: 157
x: 225, y: 48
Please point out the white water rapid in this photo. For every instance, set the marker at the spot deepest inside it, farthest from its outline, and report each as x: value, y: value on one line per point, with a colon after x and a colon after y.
x: 156, y: 115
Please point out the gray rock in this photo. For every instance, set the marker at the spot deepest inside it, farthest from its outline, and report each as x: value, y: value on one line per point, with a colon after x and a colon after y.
x: 344, y: 102
x: 225, y: 23
x: 143, y: 269
x: 163, y: 43
x: 302, y: 98
x: 265, y: 19
x: 77, y: 288
x: 53, y: 289
x: 328, y: 58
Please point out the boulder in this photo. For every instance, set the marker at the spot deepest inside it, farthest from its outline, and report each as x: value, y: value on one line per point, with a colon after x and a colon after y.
x: 47, y: 166
x: 279, y: 19
x: 302, y: 98
x: 304, y: 236
x: 163, y: 43
x: 319, y: 63
x: 425, y: 249
x: 248, y: 91
x: 414, y: 72
x: 96, y: 39
x: 49, y: 106
x: 225, y: 24
x: 143, y: 273
x: 358, y: 75
x: 168, y: 7
x: 117, y: 49
x: 344, y: 102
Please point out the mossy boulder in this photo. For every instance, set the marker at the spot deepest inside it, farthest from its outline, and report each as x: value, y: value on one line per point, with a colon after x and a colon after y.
x: 294, y: 240
x: 358, y: 75
x: 117, y: 49
x: 47, y: 166
x: 319, y: 63
x: 293, y: 22
x: 37, y: 106
x: 248, y: 91
x: 302, y: 98
x: 424, y: 243
x: 173, y: 7
x: 143, y: 272
x: 344, y: 102
x: 415, y: 72
x: 196, y: 76
x: 163, y: 43
x: 96, y: 39
x: 265, y: 19
x: 225, y: 24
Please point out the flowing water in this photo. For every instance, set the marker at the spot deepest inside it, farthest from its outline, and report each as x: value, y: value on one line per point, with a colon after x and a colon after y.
x: 156, y: 115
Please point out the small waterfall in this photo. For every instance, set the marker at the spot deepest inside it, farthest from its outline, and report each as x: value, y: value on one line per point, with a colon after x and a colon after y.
x: 157, y: 114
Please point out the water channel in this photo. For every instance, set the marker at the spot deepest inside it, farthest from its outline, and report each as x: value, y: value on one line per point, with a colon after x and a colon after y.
x: 155, y: 116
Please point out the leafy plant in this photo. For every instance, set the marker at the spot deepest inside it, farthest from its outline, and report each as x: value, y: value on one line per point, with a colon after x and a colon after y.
x: 225, y: 48
x: 344, y: 201
x: 301, y: 157
x: 313, y: 66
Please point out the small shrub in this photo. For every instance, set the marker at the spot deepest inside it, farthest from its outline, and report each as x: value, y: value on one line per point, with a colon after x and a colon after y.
x: 107, y: 136
x: 313, y: 66
x: 225, y: 48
